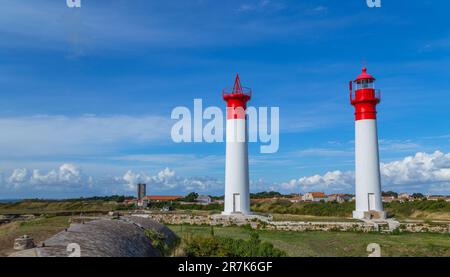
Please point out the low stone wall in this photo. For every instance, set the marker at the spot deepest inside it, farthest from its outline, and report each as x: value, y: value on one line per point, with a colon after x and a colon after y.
x: 266, y: 223
x: 321, y: 226
x: 425, y: 228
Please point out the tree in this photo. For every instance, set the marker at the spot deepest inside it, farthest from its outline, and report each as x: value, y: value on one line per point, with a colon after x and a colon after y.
x: 418, y: 195
x: 265, y: 194
x: 389, y: 193
x: 191, y: 197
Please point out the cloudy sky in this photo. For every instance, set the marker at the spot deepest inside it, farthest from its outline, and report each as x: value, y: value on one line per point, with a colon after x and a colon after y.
x: 87, y: 94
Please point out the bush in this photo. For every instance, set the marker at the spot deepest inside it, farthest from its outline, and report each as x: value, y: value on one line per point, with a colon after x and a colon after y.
x: 160, y: 241
x: 211, y: 246
x: 316, y: 209
x: 408, y: 208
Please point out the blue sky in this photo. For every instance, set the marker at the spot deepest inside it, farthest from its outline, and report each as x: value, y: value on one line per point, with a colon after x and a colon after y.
x: 87, y: 93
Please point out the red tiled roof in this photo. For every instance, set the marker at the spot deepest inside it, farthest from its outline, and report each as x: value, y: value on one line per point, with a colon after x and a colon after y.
x: 318, y: 194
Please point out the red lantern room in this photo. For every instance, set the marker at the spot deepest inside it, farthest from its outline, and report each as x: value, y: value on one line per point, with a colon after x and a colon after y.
x: 364, y: 96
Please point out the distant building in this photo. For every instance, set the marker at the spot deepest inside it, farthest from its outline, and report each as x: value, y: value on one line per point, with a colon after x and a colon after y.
x: 141, y: 191
x: 404, y: 196
x: 388, y: 199
x: 339, y: 197
x: 296, y: 198
x: 315, y: 196
x: 205, y: 199
x: 438, y: 197
x: 130, y: 201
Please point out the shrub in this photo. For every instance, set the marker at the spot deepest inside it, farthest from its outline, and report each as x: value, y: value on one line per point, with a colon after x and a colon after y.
x: 159, y: 241
x: 210, y: 246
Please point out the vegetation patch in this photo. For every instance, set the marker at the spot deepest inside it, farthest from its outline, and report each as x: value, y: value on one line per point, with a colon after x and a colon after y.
x: 160, y: 241
x: 212, y: 246
x: 332, y: 209
x: 420, y: 209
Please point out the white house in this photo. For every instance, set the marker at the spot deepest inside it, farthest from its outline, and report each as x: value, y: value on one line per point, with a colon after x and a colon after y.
x: 205, y: 199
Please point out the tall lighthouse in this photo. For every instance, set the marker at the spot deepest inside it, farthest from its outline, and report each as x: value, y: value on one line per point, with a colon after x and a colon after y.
x: 364, y: 97
x: 237, y: 195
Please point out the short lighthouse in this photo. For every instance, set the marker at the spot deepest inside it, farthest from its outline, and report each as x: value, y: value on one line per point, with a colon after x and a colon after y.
x: 364, y: 97
x: 237, y: 195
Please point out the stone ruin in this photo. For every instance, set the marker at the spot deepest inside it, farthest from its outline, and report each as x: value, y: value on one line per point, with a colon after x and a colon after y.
x: 23, y: 243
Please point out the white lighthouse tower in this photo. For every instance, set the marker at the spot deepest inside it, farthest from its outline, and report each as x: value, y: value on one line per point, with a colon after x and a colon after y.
x: 237, y: 195
x: 365, y: 98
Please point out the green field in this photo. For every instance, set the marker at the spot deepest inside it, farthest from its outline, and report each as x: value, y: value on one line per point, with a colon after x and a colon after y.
x: 335, y: 244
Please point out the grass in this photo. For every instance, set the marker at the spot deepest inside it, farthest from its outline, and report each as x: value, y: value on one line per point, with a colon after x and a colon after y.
x: 55, y: 207
x: 40, y: 229
x: 336, y: 244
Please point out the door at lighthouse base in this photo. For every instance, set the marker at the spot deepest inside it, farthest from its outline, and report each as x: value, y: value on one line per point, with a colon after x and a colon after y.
x: 236, y: 203
x: 371, y: 201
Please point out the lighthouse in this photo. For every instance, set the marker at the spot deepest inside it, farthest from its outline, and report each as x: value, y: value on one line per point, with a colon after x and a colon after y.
x: 237, y: 195
x: 364, y: 97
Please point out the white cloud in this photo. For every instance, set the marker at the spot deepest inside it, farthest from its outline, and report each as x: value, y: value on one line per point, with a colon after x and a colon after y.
x: 331, y: 181
x: 167, y: 180
x: 67, y: 175
x: 19, y: 176
x: 423, y: 172
x: 422, y: 168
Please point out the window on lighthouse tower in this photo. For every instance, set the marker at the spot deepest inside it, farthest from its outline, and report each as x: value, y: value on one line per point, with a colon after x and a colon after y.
x: 366, y: 83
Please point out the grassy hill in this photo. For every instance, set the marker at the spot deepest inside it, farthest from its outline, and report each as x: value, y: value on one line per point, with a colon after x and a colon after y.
x: 424, y: 209
x: 63, y: 206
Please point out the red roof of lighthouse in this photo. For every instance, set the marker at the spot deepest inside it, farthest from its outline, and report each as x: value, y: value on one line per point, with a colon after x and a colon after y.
x: 237, y: 89
x: 364, y: 75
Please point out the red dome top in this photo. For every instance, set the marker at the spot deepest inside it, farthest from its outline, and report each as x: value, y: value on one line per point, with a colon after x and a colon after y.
x: 364, y: 76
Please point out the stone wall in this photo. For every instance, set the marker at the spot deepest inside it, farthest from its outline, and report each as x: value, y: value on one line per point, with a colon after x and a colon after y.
x: 265, y: 223
x: 425, y: 228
